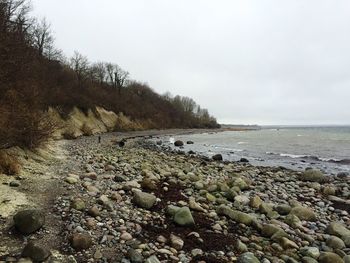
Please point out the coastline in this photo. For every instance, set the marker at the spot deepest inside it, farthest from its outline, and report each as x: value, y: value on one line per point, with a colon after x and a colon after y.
x: 237, y: 209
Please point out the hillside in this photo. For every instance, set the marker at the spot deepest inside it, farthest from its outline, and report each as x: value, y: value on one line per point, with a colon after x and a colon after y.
x: 36, y: 78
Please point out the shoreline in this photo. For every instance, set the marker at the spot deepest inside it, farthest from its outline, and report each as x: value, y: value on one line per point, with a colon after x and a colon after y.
x: 136, y: 204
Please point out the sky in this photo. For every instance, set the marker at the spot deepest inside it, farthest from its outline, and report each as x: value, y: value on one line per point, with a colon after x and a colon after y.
x: 246, y: 61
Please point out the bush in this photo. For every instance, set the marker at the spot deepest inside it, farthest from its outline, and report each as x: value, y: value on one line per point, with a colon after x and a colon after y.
x: 8, y: 164
x: 24, y: 127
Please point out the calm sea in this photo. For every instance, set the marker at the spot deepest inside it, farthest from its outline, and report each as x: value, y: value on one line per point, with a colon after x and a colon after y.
x: 326, y: 148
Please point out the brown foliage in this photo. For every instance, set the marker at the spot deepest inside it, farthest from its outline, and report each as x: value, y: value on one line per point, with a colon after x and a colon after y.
x: 8, y: 164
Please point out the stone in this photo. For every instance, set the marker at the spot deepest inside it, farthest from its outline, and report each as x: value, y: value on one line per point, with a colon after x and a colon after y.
x: 241, y: 247
x: 183, y: 217
x: 343, y: 175
x: 235, y: 215
x: 29, y: 221
x: 190, y: 142
x: 241, y: 184
x: 268, y: 230
x: 116, y: 197
x: 81, y: 241
x: 241, y: 200
x: 308, y: 260
x: 195, y: 206
x: 330, y: 257
x: 210, y: 197
x: 196, y: 252
x: 337, y: 229
x: 293, y: 220
x: 288, y: 244
x: 283, y: 209
x: 176, y: 242
x: 335, y: 242
x: 244, y: 160
x: 152, y: 259
x: 148, y: 184
x: 247, y: 257
x: 312, y: 252
x: 98, y: 254
x: 94, y: 211
x: 313, y: 175
x: 329, y: 190
x: 134, y: 256
x: 217, y: 157
x: 346, y: 259
x: 15, y: 184
x: 78, y: 204
x: 126, y: 236
x: 71, y: 180
x: 144, y: 200
x: 255, y: 202
x: 171, y: 210
x: 303, y: 213
x: 179, y: 143
x: 35, y: 252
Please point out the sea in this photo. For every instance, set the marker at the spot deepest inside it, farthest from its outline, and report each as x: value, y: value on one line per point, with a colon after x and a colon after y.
x: 324, y: 148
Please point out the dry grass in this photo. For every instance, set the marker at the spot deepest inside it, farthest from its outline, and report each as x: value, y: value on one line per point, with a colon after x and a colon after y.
x: 9, y: 164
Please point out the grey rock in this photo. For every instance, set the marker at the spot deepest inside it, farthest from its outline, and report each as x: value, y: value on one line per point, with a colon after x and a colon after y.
x: 335, y: 242
x: 36, y: 252
x: 144, y: 200
x: 81, y: 241
x: 135, y: 256
x: 29, y: 221
x: 152, y: 259
x: 313, y: 175
x: 183, y: 217
x: 247, y: 257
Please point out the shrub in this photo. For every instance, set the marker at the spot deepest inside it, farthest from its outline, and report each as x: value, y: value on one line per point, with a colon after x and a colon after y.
x: 9, y: 164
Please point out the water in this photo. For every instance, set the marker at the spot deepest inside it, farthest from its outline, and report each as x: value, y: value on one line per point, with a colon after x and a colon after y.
x: 326, y: 148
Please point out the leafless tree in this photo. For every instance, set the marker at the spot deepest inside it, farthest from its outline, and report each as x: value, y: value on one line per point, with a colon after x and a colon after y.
x: 80, y: 65
x: 98, y: 72
x: 42, y: 37
x: 117, y: 76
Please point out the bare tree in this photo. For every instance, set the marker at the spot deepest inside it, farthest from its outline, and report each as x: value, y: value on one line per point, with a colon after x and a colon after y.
x: 15, y: 15
x: 42, y: 37
x: 80, y: 65
x: 98, y: 72
x: 117, y: 76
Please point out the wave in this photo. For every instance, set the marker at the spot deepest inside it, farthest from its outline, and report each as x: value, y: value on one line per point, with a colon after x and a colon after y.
x: 312, y: 157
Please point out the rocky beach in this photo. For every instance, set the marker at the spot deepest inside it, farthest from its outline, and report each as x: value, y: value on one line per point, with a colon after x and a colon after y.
x: 85, y: 201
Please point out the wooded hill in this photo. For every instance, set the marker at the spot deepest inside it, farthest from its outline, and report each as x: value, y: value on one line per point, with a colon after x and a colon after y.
x: 34, y: 75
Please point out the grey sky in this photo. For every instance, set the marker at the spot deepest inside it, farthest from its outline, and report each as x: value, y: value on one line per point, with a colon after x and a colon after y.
x: 262, y: 61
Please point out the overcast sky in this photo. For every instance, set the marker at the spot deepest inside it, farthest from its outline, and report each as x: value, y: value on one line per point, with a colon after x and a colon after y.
x: 247, y: 61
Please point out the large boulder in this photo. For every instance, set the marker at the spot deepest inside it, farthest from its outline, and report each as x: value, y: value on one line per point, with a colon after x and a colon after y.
x: 330, y: 257
x: 183, y: 217
x: 337, y: 229
x: 335, y: 242
x: 217, y: 157
x: 35, y: 252
x: 29, y: 221
x: 235, y: 215
x: 303, y: 213
x: 144, y: 200
x: 313, y: 175
x: 179, y: 143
